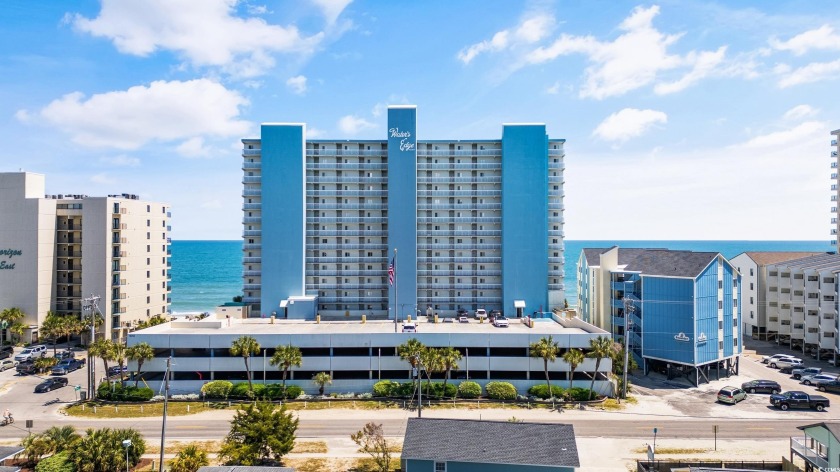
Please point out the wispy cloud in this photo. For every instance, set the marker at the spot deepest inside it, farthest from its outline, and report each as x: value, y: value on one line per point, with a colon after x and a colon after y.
x: 331, y: 8
x: 634, y: 59
x: 823, y: 37
x: 800, y: 111
x: 533, y: 27
x: 351, y: 124
x: 205, y: 35
x: 796, y: 135
x: 813, y: 72
x: 628, y: 123
x: 297, y: 84
x: 162, y: 111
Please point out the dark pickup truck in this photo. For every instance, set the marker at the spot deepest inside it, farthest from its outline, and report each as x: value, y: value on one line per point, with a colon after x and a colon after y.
x: 796, y: 399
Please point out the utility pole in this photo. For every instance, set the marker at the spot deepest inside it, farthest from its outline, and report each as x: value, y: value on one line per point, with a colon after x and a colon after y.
x: 165, y: 404
x: 628, y: 324
x: 419, y: 376
x: 91, y: 306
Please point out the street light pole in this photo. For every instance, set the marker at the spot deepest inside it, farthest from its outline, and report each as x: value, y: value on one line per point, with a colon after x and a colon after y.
x: 126, y: 444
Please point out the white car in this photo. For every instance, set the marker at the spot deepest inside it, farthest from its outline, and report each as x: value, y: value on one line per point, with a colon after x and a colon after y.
x: 774, y: 357
x: 409, y: 328
x: 481, y: 314
x: 462, y: 318
x: 32, y: 353
x: 7, y: 364
x: 815, y: 379
x: 786, y: 361
x: 500, y: 322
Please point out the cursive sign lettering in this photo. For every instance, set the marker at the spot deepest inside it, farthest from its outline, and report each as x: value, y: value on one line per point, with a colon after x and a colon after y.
x: 396, y: 133
x: 10, y: 253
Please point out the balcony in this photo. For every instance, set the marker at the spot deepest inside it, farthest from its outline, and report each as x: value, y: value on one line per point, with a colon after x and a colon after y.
x: 458, y: 166
x: 252, y: 206
x: 347, y: 165
x: 251, y: 219
x: 799, y: 446
x: 251, y: 232
x: 251, y: 152
x: 252, y: 260
x: 346, y: 232
x: 251, y: 246
x: 459, y: 193
x: 251, y: 165
x: 251, y: 273
x: 346, y: 206
x: 251, y: 179
x: 347, y: 152
x: 251, y: 192
x: 346, y: 219
x: 834, y: 142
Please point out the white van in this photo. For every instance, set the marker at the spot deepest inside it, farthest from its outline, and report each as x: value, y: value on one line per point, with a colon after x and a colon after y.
x: 409, y: 328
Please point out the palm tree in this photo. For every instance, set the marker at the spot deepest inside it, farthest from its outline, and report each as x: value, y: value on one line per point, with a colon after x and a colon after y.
x: 573, y: 357
x: 285, y: 357
x: 449, y: 357
x: 10, y: 317
x: 189, y: 459
x: 103, y: 349
x: 430, y: 361
x: 61, y: 438
x: 118, y: 356
x: 245, y: 346
x: 321, y: 379
x: 410, y: 351
x: 547, y: 349
x: 52, y: 328
x: 599, y: 348
x: 139, y: 353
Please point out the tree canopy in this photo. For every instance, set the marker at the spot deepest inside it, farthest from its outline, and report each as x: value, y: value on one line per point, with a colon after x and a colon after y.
x: 260, y: 434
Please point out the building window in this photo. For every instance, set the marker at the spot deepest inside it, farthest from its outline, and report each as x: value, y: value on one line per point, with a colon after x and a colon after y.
x: 751, y: 272
x: 440, y: 466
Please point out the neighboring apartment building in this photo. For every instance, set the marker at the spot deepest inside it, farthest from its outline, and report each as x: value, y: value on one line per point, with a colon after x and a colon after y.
x: 802, y: 304
x: 681, y: 308
x: 752, y: 266
x: 323, y: 219
x: 835, y: 186
x: 57, y: 249
x: 357, y: 354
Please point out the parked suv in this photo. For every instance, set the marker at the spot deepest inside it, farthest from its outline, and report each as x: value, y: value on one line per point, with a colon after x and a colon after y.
x: 774, y: 357
x: 731, y: 395
x: 481, y: 314
x: 32, y: 352
x: 814, y: 379
x: 829, y: 386
x: 762, y: 386
x: 793, y: 361
x: 67, y: 365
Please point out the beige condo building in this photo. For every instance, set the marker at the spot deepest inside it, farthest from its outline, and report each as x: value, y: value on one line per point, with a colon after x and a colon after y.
x: 56, y: 250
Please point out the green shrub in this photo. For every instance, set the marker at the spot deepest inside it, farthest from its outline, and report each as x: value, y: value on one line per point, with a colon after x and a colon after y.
x: 469, y: 389
x: 501, y: 391
x: 56, y: 463
x: 384, y: 388
x: 436, y: 389
x: 405, y: 389
x: 118, y: 393
x: 259, y: 390
x: 541, y: 391
x: 578, y: 394
x: 216, y: 389
x: 276, y: 392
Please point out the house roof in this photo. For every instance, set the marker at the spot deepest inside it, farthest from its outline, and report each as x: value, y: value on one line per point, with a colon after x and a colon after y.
x: 539, y: 444
x: 774, y: 257
x: 9, y: 451
x: 833, y: 428
x: 657, y: 261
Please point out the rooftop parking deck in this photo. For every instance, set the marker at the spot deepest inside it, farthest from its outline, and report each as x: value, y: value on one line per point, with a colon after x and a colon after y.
x: 423, y: 325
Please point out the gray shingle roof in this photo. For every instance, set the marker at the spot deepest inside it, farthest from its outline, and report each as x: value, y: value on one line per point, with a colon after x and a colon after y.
x: 833, y: 428
x: 663, y: 262
x: 495, y: 442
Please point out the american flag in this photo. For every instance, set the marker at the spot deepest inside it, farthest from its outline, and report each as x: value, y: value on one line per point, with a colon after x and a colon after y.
x: 391, y: 272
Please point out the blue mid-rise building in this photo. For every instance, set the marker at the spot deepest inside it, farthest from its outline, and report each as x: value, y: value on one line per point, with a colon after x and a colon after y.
x: 468, y: 224
x: 680, y: 310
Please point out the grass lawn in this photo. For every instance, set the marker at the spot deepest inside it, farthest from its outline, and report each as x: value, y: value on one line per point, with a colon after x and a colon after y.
x: 135, y: 410
x: 310, y: 447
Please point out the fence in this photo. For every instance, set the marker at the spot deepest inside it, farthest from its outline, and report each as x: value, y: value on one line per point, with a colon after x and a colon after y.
x: 669, y: 465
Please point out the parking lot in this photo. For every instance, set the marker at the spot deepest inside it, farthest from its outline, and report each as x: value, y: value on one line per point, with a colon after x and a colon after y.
x: 678, y: 397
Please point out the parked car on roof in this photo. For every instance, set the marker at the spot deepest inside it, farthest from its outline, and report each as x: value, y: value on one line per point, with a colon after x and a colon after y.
x: 762, y: 386
x: 481, y: 314
x: 813, y: 379
x: 501, y: 322
x: 799, y: 372
x: 463, y: 318
x: 731, y: 395
x: 768, y: 359
x: 829, y: 386
x: 791, y: 361
x: 409, y: 328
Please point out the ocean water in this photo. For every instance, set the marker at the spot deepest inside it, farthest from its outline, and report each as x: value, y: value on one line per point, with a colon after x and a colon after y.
x: 208, y: 273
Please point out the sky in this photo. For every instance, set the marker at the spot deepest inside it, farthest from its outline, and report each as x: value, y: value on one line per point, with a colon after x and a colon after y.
x: 682, y: 119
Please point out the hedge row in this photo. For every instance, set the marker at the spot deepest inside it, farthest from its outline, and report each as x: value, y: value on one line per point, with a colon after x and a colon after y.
x: 223, y: 390
x: 117, y: 393
x: 574, y: 393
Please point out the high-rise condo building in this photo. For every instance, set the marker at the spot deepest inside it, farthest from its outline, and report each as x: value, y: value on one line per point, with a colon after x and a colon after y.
x: 835, y: 187
x: 56, y: 250
x: 468, y: 224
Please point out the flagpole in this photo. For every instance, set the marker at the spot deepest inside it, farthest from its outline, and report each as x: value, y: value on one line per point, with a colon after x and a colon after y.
x: 396, y: 293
